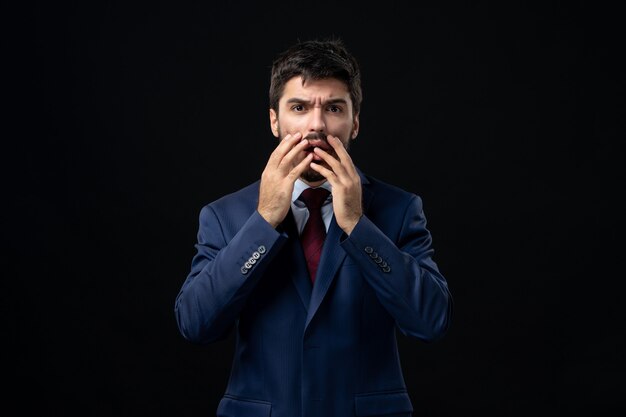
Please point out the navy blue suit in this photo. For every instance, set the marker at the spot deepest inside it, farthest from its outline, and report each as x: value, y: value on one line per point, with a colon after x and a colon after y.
x: 323, y: 350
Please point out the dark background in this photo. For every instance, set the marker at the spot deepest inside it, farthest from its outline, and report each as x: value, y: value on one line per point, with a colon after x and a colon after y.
x: 124, y: 119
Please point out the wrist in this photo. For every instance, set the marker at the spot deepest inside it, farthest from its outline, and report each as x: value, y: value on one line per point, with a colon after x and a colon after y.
x: 350, y: 227
x: 268, y: 218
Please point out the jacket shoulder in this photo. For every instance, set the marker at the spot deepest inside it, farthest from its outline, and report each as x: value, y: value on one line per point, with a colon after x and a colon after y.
x: 241, y: 199
x: 389, y: 192
x: 233, y: 208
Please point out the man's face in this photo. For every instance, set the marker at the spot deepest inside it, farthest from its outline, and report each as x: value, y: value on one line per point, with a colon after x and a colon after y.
x: 315, y: 109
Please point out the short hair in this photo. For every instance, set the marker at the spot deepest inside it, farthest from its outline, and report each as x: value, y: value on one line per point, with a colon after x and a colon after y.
x: 316, y: 60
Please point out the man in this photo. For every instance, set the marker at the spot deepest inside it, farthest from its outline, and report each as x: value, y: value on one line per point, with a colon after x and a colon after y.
x: 314, y: 315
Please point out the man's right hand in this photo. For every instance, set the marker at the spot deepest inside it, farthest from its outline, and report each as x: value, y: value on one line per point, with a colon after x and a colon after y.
x: 284, y: 167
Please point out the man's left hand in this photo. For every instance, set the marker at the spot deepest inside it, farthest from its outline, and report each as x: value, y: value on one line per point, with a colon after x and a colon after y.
x: 346, y: 184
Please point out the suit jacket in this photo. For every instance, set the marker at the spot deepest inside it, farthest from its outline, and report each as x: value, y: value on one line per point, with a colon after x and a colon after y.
x: 327, y: 350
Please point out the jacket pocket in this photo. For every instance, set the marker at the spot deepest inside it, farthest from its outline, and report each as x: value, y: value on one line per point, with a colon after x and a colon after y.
x: 383, y: 403
x: 237, y: 407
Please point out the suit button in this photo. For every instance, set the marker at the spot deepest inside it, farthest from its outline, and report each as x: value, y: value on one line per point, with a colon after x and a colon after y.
x: 261, y: 249
x: 368, y: 249
x: 251, y: 261
x: 244, y: 270
x: 256, y: 255
x: 386, y: 269
x: 247, y: 265
x: 373, y: 255
x: 378, y: 260
x: 384, y: 264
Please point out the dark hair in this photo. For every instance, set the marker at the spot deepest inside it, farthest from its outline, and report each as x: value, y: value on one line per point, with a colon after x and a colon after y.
x: 316, y: 60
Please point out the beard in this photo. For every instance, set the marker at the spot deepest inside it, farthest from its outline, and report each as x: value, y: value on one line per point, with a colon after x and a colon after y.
x: 310, y: 175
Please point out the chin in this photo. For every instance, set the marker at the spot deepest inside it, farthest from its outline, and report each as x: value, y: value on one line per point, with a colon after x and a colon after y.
x: 310, y: 175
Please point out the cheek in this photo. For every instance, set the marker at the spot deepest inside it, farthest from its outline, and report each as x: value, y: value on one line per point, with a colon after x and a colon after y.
x: 344, y: 125
x: 286, y: 126
x: 343, y: 130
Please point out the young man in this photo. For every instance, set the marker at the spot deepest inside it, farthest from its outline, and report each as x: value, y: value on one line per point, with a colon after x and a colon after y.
x: 314, y: 290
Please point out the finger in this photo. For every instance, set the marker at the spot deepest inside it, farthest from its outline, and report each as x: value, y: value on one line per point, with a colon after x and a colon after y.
x: 330, y: 160
x: 286, y: 144
x: 295, y: 173
x: 284, y: 147
x: 342, y: 153
x: 327, y: 173
x: 338, y: 146
x: 295, y: 155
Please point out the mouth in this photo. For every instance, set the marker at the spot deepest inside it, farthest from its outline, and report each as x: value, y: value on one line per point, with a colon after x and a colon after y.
x: 318, y: 144
x: 316, y: 157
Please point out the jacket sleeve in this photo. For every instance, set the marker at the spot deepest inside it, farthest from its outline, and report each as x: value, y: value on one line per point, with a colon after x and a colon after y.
x: 403, y: 274
x: 223, y: 274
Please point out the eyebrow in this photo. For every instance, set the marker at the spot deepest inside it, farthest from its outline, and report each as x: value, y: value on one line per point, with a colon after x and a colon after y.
x: 331, y: 101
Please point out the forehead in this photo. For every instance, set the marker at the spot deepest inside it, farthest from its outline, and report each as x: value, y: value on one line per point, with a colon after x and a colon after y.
x: 323, y: 89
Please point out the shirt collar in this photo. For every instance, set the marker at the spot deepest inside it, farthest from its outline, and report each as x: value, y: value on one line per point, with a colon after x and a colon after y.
x: 300, y: 186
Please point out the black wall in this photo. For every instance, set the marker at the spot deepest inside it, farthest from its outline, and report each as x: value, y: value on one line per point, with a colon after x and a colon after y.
x: 123, y: 120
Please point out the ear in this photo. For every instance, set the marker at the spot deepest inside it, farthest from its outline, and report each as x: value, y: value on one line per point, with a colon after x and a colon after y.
x: 355, y: 126
x: 274, y: 122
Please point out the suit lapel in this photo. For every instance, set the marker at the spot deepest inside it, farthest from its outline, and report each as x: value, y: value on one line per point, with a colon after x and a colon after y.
x: 332, y: 257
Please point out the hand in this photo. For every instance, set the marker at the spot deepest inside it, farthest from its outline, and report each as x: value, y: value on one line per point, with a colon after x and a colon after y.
x: 284, y: 167
x: 346, y: 183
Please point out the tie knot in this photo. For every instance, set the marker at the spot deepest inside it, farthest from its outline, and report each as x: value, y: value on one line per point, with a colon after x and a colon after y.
x: 314, y: 197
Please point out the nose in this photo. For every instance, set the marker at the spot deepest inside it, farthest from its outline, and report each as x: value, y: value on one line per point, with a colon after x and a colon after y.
x: 316, y: 120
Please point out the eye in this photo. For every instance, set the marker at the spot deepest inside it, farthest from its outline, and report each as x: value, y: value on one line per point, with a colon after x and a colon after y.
x: 334, y: 109
x: 297, y: 107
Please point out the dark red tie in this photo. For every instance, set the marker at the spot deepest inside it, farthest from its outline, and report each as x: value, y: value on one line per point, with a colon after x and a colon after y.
x: 314, y: 231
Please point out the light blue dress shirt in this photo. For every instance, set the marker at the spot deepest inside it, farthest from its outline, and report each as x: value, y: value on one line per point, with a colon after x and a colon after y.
x: 301, y: 213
